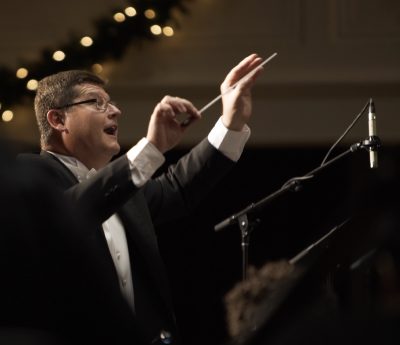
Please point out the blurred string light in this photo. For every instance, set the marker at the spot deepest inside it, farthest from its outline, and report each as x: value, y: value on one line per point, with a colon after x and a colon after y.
x: 168, y: 31
x: 32, y: 84
x: 150, y: 13
x: 7, y: 115
x: 119, y: 17
x: 156, y: 29
x: 130, y: 11
x: 97, y: 68
x: 86, y: 41
x: 58, y: 55
x: 112, y: 34
x: 21, y: 73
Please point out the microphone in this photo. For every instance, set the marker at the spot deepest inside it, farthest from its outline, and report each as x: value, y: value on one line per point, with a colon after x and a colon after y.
x: 373, y: 151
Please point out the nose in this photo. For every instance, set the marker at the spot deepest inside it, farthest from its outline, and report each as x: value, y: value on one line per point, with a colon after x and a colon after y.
x: 113, y: 111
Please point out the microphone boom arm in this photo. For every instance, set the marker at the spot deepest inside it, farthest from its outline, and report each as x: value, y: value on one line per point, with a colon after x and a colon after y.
x: 294, y: 184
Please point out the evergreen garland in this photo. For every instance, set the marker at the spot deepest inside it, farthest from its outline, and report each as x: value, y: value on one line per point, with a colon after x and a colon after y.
x: 110, y: 41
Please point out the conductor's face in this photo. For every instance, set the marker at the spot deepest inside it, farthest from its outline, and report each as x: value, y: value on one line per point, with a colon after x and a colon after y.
x: 92, y: 126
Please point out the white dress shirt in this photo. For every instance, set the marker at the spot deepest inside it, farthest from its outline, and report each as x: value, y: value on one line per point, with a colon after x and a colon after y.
x: 144, y: 159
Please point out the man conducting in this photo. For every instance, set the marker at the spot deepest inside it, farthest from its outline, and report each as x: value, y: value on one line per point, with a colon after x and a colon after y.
x: 123, y: 275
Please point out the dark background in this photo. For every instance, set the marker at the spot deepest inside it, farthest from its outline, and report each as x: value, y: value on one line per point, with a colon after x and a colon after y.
x: 204, y: 265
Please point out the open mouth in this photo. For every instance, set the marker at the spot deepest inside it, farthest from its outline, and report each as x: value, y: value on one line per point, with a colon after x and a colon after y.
x: 112, y: 130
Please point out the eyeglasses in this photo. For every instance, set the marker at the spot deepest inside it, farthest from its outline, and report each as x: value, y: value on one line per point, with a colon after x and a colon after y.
x: 100, y: 103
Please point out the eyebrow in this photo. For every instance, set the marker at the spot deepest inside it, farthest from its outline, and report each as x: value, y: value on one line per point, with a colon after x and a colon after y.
x: 92, y: 90
x: 95, y: 95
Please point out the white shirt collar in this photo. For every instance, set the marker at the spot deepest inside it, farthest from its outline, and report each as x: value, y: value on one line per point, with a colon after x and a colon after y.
x: 80, y: 171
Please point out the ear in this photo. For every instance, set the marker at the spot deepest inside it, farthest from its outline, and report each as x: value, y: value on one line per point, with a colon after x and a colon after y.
x: 56, y: 119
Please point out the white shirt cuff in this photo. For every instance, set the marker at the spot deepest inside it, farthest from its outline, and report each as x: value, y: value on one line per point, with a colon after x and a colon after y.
x: 228, y: 142
x: 144, y: 159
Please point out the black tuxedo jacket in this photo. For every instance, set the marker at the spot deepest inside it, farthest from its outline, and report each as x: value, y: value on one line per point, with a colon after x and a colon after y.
x: 97, y: 295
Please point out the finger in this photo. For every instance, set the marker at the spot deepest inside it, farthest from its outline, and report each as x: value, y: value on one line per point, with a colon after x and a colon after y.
x: 185, y: 112
x: 189, y: 120
x: 172, y: 102
x: 240, y: 70
x: 183, y: 106
x: 249, y: 81
x: 177, y: 104
x: 164, y: 110
x: 248, y: 71
x: 190, y: 115
x: 189, y: 108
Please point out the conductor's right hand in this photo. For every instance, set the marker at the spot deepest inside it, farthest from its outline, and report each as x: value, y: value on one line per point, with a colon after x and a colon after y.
x: 165, y: 131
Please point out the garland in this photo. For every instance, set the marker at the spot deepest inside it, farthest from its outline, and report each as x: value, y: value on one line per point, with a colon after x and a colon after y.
x: 141, y: 20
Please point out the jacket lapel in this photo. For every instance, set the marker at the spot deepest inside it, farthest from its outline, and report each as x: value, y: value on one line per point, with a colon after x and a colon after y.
x: 140, y: 234
x: 95, y: 235
x: 68, y: 175
x: 141, y: 238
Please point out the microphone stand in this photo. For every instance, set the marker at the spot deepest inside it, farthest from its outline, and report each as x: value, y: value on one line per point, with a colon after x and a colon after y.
x: 294, y: 184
